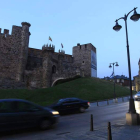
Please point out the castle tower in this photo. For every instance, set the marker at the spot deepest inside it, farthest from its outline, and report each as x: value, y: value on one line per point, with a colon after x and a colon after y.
x: 85, y: 59
x: 60, y: 59
x: 23, y: 50
x: 137, y: 78
x: 139, y: 67
x: 47, y: 52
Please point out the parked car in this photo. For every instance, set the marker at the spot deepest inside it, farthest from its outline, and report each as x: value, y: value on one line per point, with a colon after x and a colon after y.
x: 137, y: 96
x: 18, y: 113
x: 70, y: 104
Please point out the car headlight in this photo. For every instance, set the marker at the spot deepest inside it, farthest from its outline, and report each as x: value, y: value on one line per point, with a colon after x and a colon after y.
x: 135, y: 96
x: 88, y: 103
x: 55, y: 112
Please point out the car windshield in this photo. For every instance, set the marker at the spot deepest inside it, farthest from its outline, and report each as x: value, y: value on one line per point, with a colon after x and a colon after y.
x: 60, y: 101
x: 138, y: 93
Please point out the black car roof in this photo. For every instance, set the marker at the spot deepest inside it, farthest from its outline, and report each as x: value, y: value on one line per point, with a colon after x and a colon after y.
x: 21, y: 100
x: 70, y: 98
x: 13, y: 100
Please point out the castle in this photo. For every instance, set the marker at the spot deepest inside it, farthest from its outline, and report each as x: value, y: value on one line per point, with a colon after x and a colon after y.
x: 21, y: 66
x: 137, y: 79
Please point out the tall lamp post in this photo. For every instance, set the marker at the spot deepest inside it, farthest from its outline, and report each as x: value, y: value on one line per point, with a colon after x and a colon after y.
x: 110, y: 66
x: 131, y: 116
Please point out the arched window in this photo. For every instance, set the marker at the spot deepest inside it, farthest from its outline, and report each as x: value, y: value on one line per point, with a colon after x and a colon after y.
x: 53, y: 69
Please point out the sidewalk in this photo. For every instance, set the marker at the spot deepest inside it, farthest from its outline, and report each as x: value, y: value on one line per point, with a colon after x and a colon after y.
x: 110, y: 101
x: 119, y: 132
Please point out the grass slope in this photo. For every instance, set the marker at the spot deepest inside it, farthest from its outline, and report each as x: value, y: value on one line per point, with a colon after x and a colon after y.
x: 91, y: 89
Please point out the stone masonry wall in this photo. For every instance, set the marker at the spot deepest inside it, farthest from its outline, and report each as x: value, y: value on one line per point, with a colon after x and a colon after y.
x: 23, y: 67
x: 40, y: 64
x: 13, y: 55
x: 9, y: 53
x: 82, y: 58
x: 23, y: 50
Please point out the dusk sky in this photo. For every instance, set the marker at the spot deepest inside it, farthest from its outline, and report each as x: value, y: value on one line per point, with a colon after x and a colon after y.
x: 79, y: 21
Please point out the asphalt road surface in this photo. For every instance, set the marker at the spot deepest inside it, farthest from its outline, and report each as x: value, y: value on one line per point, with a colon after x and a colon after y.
x: 75, y: 123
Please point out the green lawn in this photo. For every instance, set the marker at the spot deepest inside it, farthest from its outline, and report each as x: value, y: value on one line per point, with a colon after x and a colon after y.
x: 91, y: 89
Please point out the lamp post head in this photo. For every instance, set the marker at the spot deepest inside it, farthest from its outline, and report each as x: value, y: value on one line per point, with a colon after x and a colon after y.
x: 110, y: 66
x: 135, y: 16
x: 117, y: 64
x: 117, y: 27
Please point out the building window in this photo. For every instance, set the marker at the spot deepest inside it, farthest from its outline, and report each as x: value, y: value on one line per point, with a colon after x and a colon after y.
x: 85, y: 46
x: 53, y: 69
x: 80, y: 46
x: 118, y: 80
x: 122, y: 80
x: 83, y: 61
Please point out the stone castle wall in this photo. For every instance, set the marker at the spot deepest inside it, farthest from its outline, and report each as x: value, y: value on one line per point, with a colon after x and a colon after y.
x: 9, y: 53
x: 40, y: 64
x: 24, y: 67
x: 82, y: 57
x: 137, y: 79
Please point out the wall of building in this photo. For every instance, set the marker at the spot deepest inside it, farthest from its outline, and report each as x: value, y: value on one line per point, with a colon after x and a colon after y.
x: 137, y: 83
x: 82, y: 58
x: 12, y: 52
x: 40, y: 64
x: 137, y: 78
x: 9, y: 53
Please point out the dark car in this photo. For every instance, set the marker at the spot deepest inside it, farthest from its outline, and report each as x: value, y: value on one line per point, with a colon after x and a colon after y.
x: 18, y: 113
x: 70, y: 105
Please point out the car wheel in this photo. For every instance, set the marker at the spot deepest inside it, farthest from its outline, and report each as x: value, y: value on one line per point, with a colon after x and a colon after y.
x: 44, y: 124
x: 82, y: 109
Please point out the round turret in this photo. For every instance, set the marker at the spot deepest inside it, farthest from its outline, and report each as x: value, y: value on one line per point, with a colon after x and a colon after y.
x: 26, y: 23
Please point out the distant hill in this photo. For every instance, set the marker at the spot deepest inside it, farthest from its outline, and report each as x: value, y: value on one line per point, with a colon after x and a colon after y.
x: 91, y: 89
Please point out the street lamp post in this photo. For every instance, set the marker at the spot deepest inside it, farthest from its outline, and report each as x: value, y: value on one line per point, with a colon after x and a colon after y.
x: 115, y: 100
x: 131, y: 116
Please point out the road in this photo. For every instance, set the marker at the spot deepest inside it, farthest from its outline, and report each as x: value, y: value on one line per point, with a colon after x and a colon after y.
x: 76, y: 122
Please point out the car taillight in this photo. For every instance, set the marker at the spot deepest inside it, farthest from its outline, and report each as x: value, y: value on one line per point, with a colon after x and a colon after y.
x: 88, y: 103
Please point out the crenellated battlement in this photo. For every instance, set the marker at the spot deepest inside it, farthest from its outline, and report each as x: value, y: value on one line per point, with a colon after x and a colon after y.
x: 25, y: 23
x: 5, y: 32
x: 48, y: 47
x: 61, y: 51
